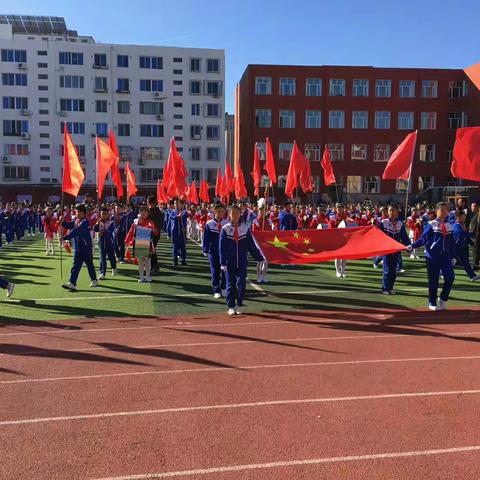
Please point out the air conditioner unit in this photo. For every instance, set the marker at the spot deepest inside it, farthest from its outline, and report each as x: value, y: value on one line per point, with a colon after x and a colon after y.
x: 5, y: 159
x: 196, y: 137
x: 62, y: 113
x: 25, y: 112
x: 25, y: 136
x: 159, y: 117
x: 22, y: 66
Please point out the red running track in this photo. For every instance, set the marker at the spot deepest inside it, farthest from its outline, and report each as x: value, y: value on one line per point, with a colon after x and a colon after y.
x: 349, y: 395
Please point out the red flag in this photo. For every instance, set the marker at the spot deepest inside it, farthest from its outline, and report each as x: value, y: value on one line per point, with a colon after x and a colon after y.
x: 399, y: 165
x: 161, y: 195
x: 314, y: 246
x: 299, y: 165
x: 192, y: 193
x: 73, y: 175
x: 116, y: 176
x: 218, y: 184
x: 105, y: 161
x: 270, y: 163
x: 131, y: 182
x: 328, y: 175
x: 466, y: 154
x: 204, y: 194
x: 473, y: 73
x: 256, y: 173
x: 229, y: 185
x: 175, y: 182
x: 240, y: 188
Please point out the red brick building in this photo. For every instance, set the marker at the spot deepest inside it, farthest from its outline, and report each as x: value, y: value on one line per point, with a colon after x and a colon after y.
x: 362, y: 113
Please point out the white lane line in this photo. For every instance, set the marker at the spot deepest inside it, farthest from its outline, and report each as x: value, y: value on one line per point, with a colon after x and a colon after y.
x: 278, y: 342
x: 295, y: 463
x: 230, y: 406
x: 237, y: 368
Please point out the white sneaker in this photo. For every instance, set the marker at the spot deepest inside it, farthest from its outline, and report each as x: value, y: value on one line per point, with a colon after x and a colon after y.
x: 231, y: 311
x: 344, y: 275
x: 393, y: 292
x: 148, y: 280
x: 224, y: 293
x: 238, y: 310
x: 476, y: 278
x: 401, y: 271
x: 339, y: 275
x: 10, y: 289
x: 69, y: 286
x: 442, y: 304
x: 385, y: 292
x: 101, y: 276
x: 94, y: 283
x: 375, y: 265
x: 141, y: 280
x: 412, y: 256
x: 217, y: 295
x: 433, y: 308
x: 114, y: 272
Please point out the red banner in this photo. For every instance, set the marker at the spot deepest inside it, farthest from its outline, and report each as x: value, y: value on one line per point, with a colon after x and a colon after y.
x: 315, y: 246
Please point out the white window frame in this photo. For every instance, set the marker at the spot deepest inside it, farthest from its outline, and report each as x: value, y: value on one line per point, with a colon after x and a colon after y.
x: 402, y: 119
x: 429, y: 88
x: 336, y: 87
x: 406, y: 88
x: 287, y: 86
x: 383, y: 88
x: 313, y: 119
x: 381, y: 152
x: 336, y: 119
x: 360, y: 87
x: 354, y: 184
x: 265, y: 82
x: 286, y: 118
x: 359, y: 152
x: 360, y: 119
x: 313, y: 87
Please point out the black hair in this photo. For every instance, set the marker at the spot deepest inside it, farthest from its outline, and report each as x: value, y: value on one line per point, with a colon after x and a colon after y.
x: 105, y: 209
x: 151, y: 199
x: 81, y: 208
x: 440, y: 205
x: 459, y: 213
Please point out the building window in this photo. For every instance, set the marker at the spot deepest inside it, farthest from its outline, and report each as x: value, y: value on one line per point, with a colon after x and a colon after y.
x: 211, y: 176
x: 213, y: 65
x: 406, y: 89
x: 450, y: 155
x: 155, y: 63
x: 359, y: 119
x: 14, y: 79
x: 123, y: 129
x: 100, y: 84
x: 151, y: 108
x: 313, y: 151
x: 383, y: 88
x: 101, y: 129
x: 336, y: 119
x: 195, y: 175
x: 313, y: 87
x: 371, y: 184
x: 70, y: 58
x: 263, y: 86
x: 287, y: 86
x: 74, y: 127
x: 213, y: 154
x: 71, y: 81
x: 101, y: 106
x: 151, y: 175
x: 122, y: 61
x: 337, y: 87
x: 123, y: 107
x: 359, y: 152
x: 457, y: 89
x: 195, y: 132
x: 429, y: 89
x: 336, y: 152
x: 123, y: 85
x: 195, y: 154
x: 425, y: 182
x: 381, y: 152
x: 100, y: 60
x: 195, y: 109
x: 17, y: 56
x: 148, y: 130
x: 213, y: 132
x: 195, y: 64
x: 427, y: 153
x: 285, y: 151
x: 354, y: 184
x: 151, y: 153
x: 428, y: 120
x: 177, y: 59
x: 287, y: 118
x: 151, y: 85
x: 177, y: 72
x: 212, y: 110
x: 360, y: 88
x: 401, y: 186
x: 15, y: 103
x: 262, y: 151
x: 15, y: 149
x: 382, y: 120
x: 15, y: 128
x: 213, y: 88
x: 16, y: 173
x: 263, y: 118
x: 195, y: 87
x: 456, y: 120
x: 313, y: 119
x: 405, y: 120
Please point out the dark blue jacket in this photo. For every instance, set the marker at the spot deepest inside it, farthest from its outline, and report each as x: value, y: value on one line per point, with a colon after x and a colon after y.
x: 211, y: 237
x: 287, y: 220
x: 395, y: 230
x: 107, y: 234
x: 438, y: 247
x: 462, y: 238
x: 80, y: 234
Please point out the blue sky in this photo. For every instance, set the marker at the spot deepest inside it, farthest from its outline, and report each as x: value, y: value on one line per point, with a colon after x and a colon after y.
x: 408, y: 33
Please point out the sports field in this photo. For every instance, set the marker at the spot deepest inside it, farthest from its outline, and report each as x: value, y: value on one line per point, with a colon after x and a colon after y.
x: 320, y: 379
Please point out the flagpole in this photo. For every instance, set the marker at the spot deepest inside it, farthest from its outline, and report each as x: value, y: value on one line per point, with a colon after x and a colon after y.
x: 410, y: 178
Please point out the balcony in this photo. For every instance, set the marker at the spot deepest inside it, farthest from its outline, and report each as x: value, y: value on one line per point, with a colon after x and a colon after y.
x: 100, y: 90
x: 122, y: 90
x: 99, y: 67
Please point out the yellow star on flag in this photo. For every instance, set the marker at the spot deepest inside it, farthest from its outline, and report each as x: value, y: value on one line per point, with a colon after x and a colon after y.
x: 311, y: 250
x: 278, y: 243
x: 296, y: 235
x: 305, y: 254
x: 306, y: 241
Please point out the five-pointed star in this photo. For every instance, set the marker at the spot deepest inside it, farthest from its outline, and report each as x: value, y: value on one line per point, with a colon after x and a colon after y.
x: 278, y: 243
x: 311, y: 250
x: 296, y: 235
x: 306, y: 241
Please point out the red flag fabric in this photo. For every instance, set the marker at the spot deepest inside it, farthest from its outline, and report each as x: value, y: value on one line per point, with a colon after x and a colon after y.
x: 270, y: 163
x: 105, y: 161
x: 218, y: 183
x: 314, y: 246
x: 400, y: 163
x: 176, y: 172
x: 204, y: 194
x: 299, y: 165
x: 116, y: 176
x: 73, y: 175
x: 229, y: 185
x: 473, y: 73
x: 161, y: 195
x: 328, y: 175
x: 193, y: 193
x: 240, y: 188
x: 256, y: 173
x: 466, y: 154
x: 131, y: 181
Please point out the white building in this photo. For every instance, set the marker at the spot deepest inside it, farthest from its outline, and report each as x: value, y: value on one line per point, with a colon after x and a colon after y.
x: 51, y: 75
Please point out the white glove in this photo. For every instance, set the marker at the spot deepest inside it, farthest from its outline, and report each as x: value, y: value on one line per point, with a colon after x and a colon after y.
x: 409, y: 248
x: 454, y: 262
x: 223, y: 268
x: 205, y: 254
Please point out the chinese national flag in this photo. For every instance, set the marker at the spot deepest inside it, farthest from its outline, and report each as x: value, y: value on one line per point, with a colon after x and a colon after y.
x: 299, y: 165
x: 105, y: 161
x: 400, y: 163
x: 218, y: 183
x: 256, y: 173
x: 116, y: 176
x: 131, y: 181
x: 466, y: 154
x: 73, y: 175
x: 315, y: 246
x: 270, y: 163
x: 203, y: 194
x: 192, y: 193
x: 328, y: 175
x: 473, y: 73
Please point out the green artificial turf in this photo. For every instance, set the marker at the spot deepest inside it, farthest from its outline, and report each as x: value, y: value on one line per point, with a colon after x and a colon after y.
x: 186, y: 290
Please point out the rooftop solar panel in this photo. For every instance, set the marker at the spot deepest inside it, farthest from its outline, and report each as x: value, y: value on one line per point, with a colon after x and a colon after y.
x: 34, y: 24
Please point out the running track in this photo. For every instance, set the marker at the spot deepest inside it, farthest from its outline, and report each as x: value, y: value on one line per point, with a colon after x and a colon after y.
x: 321, y: 395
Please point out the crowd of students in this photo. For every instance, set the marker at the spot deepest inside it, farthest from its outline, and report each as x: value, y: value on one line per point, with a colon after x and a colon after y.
x: 131, y: 233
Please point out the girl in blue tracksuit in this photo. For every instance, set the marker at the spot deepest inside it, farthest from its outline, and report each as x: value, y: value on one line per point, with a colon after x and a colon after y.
x: 236, y: 242
x: 177, y: 232
x: 463, y: 240
x: 437, y: 238
x: 395, y: 229
x: 105, y: 228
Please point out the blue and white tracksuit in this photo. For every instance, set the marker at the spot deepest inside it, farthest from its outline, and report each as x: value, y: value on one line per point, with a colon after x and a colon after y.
x: 211, y: 243
x: 437, y: 237
x: 82, y: 247
x: 106, y: 244
x: 463, y: 240
x: 177, y: 232
x: 121, y: 230
x: 396, y: 230
x: 236, y: 241
x: 287, y: 220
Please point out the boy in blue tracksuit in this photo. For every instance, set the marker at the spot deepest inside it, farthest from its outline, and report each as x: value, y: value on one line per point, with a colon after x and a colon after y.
x: 82, y: 247
x: 437, y: 237
x: 210, y: 247
x: 236, y: 241
x: 8, y: 286
x: 463, y: 241
x: 177, y: 232
x: 105, y: 228
x: 120, y: 220
x: 395, y: 229
x: 286, y: 219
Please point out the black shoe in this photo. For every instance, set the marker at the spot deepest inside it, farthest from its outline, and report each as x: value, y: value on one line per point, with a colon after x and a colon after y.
x: 184, y: 263
x: 175, y: 263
